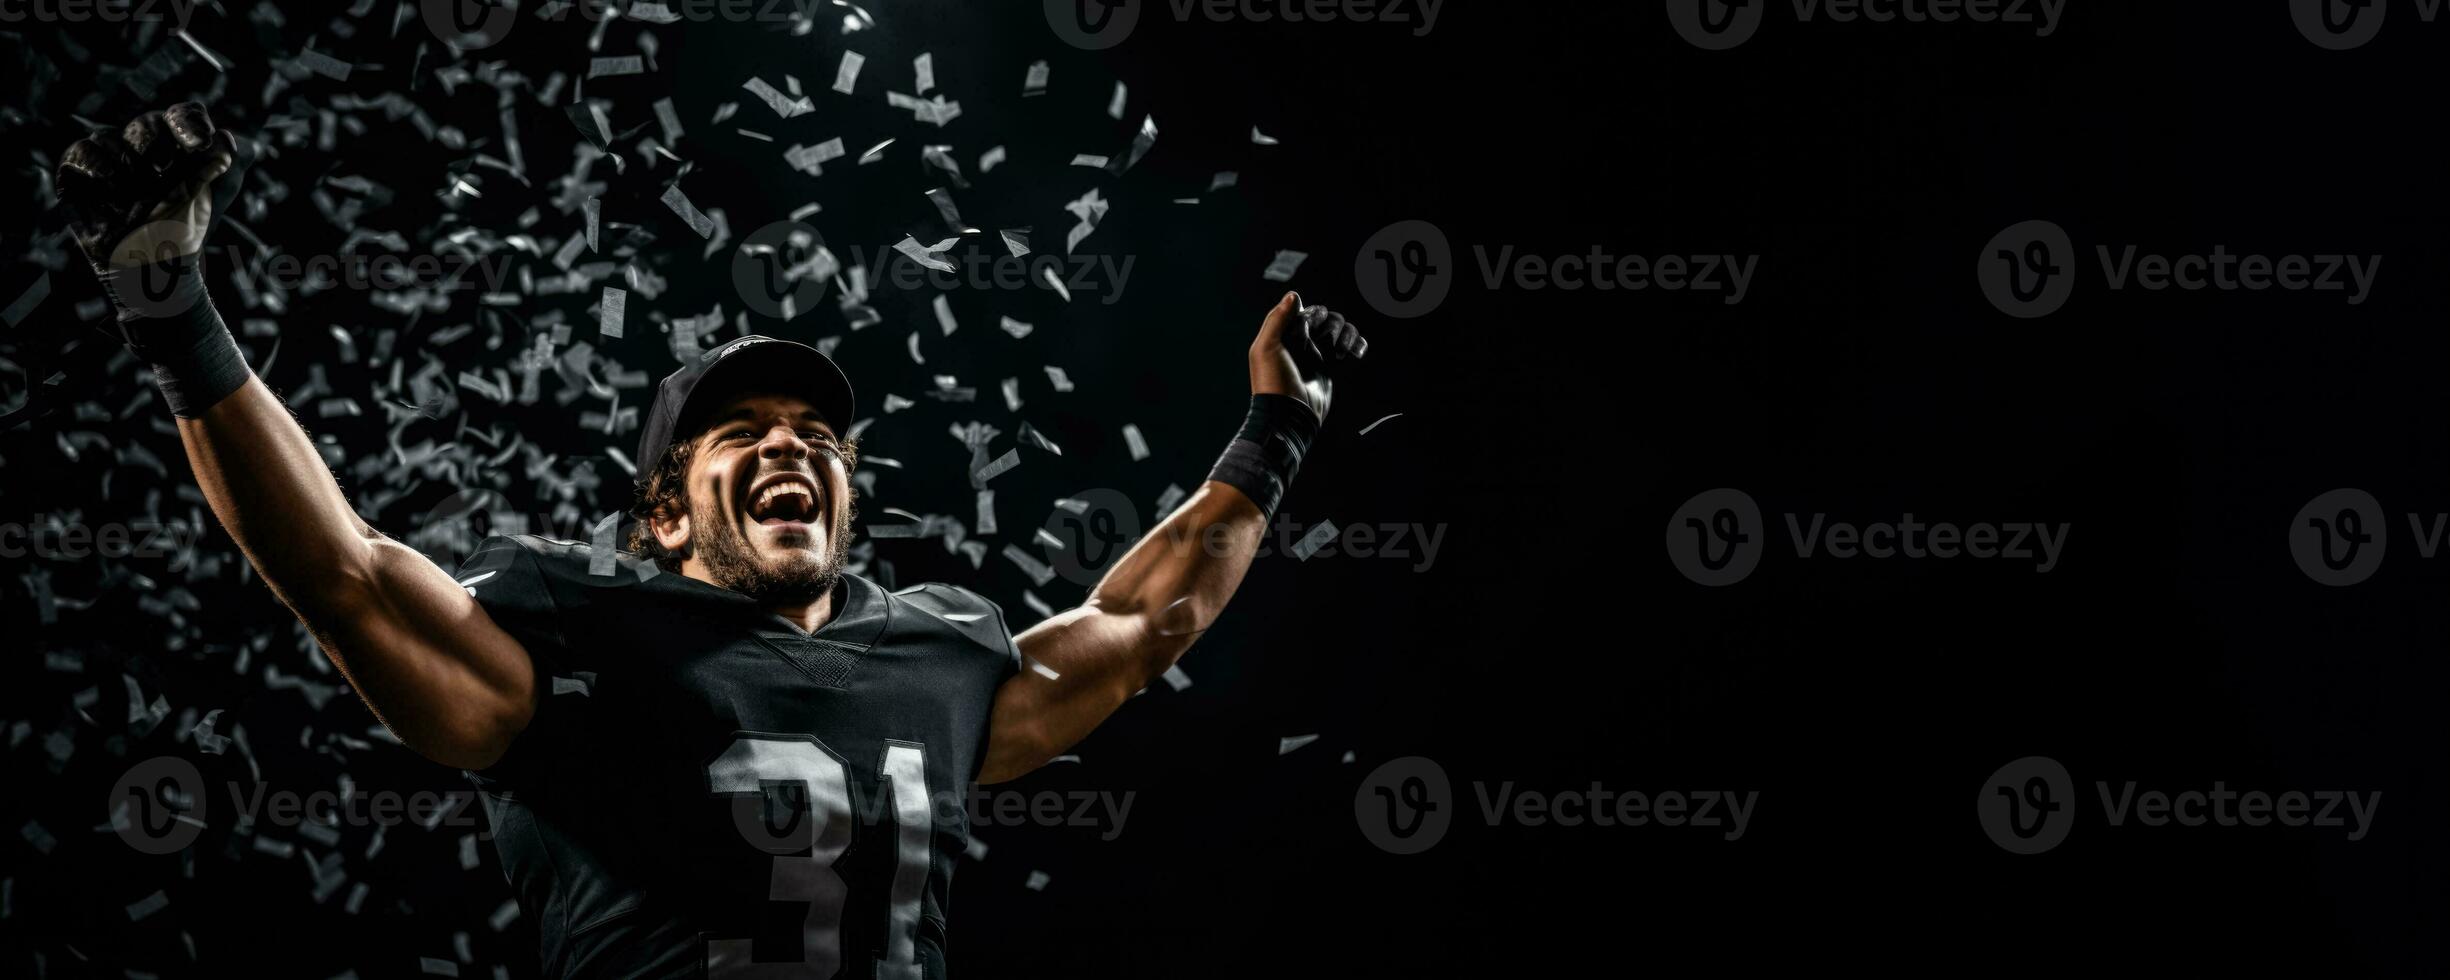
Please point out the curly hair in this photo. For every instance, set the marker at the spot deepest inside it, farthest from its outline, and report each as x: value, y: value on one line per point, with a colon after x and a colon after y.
x: 664, y: 490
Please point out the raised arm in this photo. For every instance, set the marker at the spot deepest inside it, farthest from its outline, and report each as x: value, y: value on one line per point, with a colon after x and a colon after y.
x: 1153, y: 604
x: 416, y: 646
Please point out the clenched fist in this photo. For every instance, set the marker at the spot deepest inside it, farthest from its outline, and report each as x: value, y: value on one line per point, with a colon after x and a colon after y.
x: 1299, y: 349
x: 149, y: 192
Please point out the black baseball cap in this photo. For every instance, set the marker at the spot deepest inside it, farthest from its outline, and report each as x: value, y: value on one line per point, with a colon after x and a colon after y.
x: 751, y: 362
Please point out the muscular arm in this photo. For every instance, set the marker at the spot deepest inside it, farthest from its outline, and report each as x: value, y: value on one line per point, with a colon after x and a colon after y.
x: 426, y: 658
x: 1171, y: 585
x: 1141, y: 618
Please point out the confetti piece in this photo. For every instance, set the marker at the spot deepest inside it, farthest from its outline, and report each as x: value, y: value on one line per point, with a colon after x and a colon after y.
x: 925, y: 65
x: 1170, y: 499
x: 943, y: 306
x: 944, y: 209
x: 1281, y: 268
x: 203, y: 52
x: 603, y: 551
x: 1003, y: 464
x: 1088, y: 160
x: 1055, y: 376
x: 988, y: 160
x: 669, y: 120
x: 1224, y: 179
x: 875, y: 153
x: 1038, y: 571
x: 846, y: 75
x: 1176, y: 679
x: 138, y: 910
x: 323, y: 64
x: 1041, y: 669
x: 1114, y: 106
x: 1033, y: 82
x: 1285, y: 745
x: 1037, y: 881
x: 679, y: 203
x: 1258, y: 137
x: 26, y: 301
x: 1310, y: 543
x: 1141, y: 142
x: 783, y: 105
x: 1138, y: 444
x: 1031, y: 436
x: 1365, y: 430
x: 1016, y: 241
x: 623, y: 65
x: 608, y: 320
x: 1090, y: 209
x: 595, y: 217
x: 926, y: 255
x: 1016, y: 328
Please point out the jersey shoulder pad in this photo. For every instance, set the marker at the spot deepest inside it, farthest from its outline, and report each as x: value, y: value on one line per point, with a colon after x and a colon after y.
x: 974, y: 615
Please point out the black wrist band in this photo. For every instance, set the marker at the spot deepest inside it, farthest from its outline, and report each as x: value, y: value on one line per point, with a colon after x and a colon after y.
x: 1263, y: 457
x: 168, y: 322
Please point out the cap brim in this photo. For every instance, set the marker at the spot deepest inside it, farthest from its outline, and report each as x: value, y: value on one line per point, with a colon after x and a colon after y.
x: 779, y: 366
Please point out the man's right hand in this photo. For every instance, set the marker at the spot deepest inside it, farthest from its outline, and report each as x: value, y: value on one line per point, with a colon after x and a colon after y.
x: 149, y: 193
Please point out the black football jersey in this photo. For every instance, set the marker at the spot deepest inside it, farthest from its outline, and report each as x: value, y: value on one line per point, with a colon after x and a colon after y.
x: 705, y: 790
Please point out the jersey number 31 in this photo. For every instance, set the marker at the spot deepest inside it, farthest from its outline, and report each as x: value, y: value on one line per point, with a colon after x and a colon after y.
x: 805, y: 855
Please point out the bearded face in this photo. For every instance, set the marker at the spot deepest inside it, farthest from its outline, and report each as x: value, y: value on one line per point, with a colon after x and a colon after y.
x: 769, y: 502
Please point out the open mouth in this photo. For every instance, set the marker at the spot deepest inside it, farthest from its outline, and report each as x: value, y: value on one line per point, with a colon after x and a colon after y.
x: 786, y: 500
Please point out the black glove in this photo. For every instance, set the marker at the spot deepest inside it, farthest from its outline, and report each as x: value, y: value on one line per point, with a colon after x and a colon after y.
x: 141, y: 203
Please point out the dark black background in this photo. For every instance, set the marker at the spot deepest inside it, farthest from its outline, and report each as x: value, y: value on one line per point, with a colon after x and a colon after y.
x: 1551, y: 645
